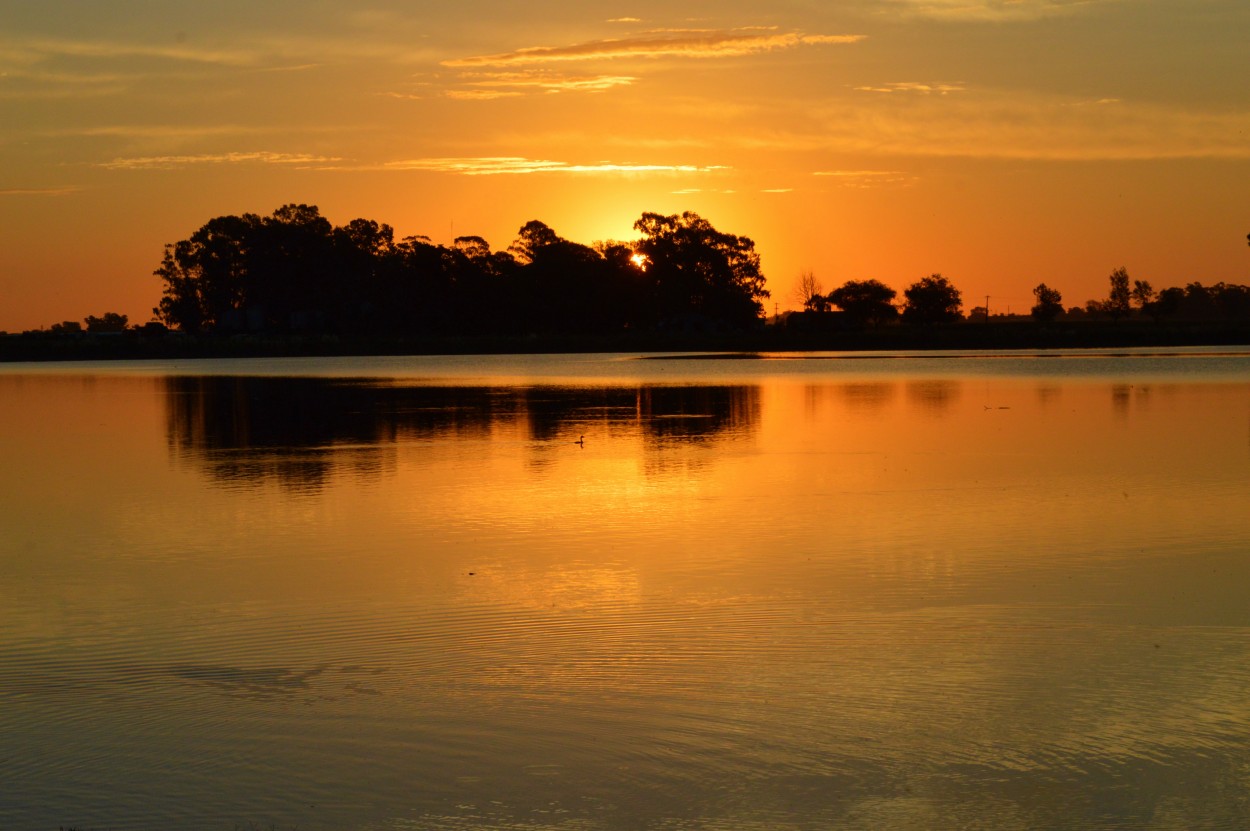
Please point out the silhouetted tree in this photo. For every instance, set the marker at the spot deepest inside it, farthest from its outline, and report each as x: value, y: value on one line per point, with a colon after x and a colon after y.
x: 696, y: 270
x: 564, y: 287
x: 1117, y: 304
x: 1049, y: 303
x: 865, y: 302
x: 108, y: 322
x: 293, y: 279
x: 1143, y: 294
x: 206, y: 276
x: 294, y: 271
x: 931, y: 300
x: 1168, y: 302
x: 66, y: 327
x: 808, y: 293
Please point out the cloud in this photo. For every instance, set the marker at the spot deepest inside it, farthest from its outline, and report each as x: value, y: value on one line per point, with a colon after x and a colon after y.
x: 62, y: 191
x: 40, y: 49
x: 1009, y: 125
x: 517, y: 165
x: 162, y: 131
x: 262, y: 157
x: 511, y: 84
x: 867, y: 178
x: 680, y: 43
x: 284, y: 52
x: 990, y: 10
x: 481, y: 94
x: 917, y: 88
x: 625, y: 20
x: 20, y: 82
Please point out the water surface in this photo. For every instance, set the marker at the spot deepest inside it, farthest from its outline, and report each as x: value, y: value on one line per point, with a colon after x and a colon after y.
x: 794, y: 591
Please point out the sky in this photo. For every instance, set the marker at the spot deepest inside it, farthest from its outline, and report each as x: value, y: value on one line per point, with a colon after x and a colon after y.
x: 1001, y: 143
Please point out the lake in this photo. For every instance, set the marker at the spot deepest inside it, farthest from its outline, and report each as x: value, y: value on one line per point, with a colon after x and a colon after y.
x: 798, y: 591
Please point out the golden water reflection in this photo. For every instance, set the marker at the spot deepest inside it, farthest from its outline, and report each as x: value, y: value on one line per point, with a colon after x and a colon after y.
x: 778, y: 602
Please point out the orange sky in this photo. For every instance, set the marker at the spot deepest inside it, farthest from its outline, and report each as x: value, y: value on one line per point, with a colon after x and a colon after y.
x: 1000, y: 142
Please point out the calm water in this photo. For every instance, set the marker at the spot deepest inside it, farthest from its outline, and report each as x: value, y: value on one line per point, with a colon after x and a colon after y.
x: 809, y: 592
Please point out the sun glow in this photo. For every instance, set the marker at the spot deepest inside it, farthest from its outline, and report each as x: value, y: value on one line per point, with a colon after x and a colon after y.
x: 640, y: 261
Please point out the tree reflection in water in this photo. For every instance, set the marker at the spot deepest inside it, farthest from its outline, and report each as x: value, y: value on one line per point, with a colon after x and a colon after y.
x: 298, y: 431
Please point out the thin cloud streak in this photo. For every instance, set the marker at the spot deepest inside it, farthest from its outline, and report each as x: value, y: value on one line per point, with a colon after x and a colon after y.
x: 39, y: 49
x: 916, y: 88
x: 1009, y: 126
x: 867, y: 178
x: 518, y: 165
x: 63, y: 191
x: 991, y: 11
x: 172, y: 162
x: 511, y: 84
x: 163, y: 131
x: 481, y: 94
x: 680, y: 43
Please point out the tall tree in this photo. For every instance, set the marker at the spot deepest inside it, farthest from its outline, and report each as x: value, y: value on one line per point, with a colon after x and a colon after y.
x: 865, y: 302
x: 808, y: 293
x: 1049, y: 303
x: 932, y: 300
x: 206, y: 276
x: 1143, y: 294
x: 696, y: 269
x: 1117, y: 304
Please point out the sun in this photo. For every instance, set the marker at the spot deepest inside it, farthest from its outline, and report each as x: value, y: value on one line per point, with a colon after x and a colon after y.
x: 640, y: 261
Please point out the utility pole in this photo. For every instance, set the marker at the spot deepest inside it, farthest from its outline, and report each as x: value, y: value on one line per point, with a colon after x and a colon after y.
x: 987, y: 308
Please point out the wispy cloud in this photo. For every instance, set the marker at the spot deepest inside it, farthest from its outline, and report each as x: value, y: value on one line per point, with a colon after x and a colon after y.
x: 679, y: 43
x: 991, y: 10
x: 625, y: 20
x: 61, y: 191
x: 481, y: 94
x: 867, y: 178
x: 488, y: 85
x: 1010, y: 125
x: 21, y: 82
x: 915, y: 88
x: 283, y: 52
x: 163, y: 131
x: 518, y: 165
x: 261, y: 157
x: 42, y: 48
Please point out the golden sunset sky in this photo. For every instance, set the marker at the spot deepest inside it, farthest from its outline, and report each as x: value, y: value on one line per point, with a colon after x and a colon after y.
x: 1001, y: 143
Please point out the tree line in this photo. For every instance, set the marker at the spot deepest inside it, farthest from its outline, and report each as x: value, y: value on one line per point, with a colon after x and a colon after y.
x: 935, y: 299
x: 294, y: 271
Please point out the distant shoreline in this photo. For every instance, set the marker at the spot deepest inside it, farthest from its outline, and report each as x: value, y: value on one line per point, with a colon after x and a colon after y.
x: 132, y: 345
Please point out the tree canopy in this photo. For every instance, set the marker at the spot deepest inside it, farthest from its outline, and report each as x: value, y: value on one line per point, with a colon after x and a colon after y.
x: 932, y: 300
x: 865, y: 302
x: 696, y: 271
x: 295, y: 271
x: 1049, y: 303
